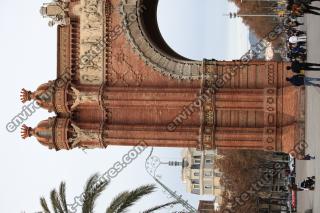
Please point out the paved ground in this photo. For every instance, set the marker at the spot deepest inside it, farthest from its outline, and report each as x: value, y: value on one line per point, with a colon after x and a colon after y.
x: 311, y: 200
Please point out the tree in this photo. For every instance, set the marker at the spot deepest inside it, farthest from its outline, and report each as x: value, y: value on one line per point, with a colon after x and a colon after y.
x: 240, y: 169
x: 92, y: 190
x: 261, y: 25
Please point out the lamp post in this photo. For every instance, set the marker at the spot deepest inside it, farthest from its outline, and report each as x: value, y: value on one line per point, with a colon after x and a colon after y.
x: 235, y: 15
x: 258, y: 0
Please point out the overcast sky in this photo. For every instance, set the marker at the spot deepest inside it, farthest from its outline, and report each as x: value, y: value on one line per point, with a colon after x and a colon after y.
x: 194, y: 28
x: 200, y: 30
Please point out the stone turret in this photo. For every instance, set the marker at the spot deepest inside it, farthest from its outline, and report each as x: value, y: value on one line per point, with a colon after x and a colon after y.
x: 43, y: 96
x: 51, y: 96
x: 43, y: 133
x: 52, y: 133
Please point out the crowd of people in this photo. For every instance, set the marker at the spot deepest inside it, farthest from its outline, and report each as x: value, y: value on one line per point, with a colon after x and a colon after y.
x: 300, y: 7
x: 296, y: 43
x: 308, y: 184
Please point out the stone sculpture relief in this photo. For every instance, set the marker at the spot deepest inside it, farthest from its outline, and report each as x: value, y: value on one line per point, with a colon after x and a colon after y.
x: 83, y: 98
x: 92, y: 31
x: 82, y: 136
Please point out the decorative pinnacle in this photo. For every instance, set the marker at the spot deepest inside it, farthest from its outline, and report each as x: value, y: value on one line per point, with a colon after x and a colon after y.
x: 26, y: 131
x: 25, y: 95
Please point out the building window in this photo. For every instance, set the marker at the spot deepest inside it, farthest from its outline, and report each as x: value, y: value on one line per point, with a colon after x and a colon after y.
x: 208, y: 186
x: 196, y: 174
x: 195, y: 166
x: 196, y: 186
x: 197, y: 161
x: 208, y: 174
x: 218, y: 174
x: 208, y: 161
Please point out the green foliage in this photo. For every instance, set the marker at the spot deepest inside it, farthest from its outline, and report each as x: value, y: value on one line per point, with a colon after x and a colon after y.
x: 93, y: 189
x: 133, y: 196
x: 153, y: 209
x: 94, y: 186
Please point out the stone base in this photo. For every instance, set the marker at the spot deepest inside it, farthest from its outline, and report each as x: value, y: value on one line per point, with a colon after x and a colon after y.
x: 292, y: 137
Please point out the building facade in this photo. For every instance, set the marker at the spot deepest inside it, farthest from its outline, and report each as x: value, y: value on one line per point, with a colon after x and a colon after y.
x: 119, y: 83
x: 200, y: 175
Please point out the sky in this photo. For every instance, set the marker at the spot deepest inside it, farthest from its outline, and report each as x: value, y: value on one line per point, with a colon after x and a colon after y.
x: 28, y: 59
x: 200, y: 30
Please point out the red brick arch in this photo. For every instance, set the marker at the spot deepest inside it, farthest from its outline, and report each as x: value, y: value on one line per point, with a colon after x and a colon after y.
x: 233, y: 105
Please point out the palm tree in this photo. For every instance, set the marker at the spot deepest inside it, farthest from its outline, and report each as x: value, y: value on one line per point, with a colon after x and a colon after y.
x: 92, y: 190
x: 160, y: 206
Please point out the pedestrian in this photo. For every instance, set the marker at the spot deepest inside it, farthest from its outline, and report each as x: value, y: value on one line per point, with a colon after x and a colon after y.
x: 297, y: 80
x: 308, y: 157
x: 295, y: 9
x: 300, y: 80
x: 298, y: 50
x: 298, y: 56
x: 305, y: 1
x: 291, y: 23
x: 297, y: 66
x: 295, y: 39
x: 310, y: 9
x: 294, y: 32
x: 295, y: 188
x: 308, y: 183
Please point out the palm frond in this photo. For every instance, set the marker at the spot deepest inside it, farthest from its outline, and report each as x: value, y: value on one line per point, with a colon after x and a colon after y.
x: 87, y: 191
x: 44, y: 205
x: 57, y: 208
x: 117, y: 202
x: 62, y: 196
x: 153, y: 209
x: 134, y: 196
x: 94, y: 187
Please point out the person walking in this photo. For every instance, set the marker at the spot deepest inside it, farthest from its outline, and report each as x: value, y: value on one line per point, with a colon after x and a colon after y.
x: 308, y: 183
x: 306, y: 8
x: 291, y: 23
x: 294, y: 32
x: 300, y: 80
x: 295, y: 39
x: 308, y: 157
x: 295, y: 188
x: 296, y: 56
x: 298, y: 9
x: 299, y: 67
x: 298, y: 50
x: 305, y: 1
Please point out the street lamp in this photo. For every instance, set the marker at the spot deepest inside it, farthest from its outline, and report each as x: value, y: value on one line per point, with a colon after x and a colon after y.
x: 235, y: 15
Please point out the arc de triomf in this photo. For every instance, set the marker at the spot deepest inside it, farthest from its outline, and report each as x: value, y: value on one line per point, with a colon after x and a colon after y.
x: 119, y: 83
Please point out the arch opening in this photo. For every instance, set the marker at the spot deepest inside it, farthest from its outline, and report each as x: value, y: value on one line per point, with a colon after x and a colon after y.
x: 200, y: 31
x: 150, y: 28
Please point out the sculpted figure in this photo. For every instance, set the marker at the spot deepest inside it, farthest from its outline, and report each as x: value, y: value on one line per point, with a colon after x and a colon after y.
x: 94, y: 7
x: 90, y: 79
x: 83, y: 97
x: 82, y: 136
